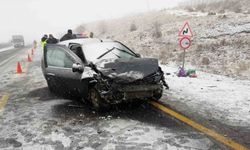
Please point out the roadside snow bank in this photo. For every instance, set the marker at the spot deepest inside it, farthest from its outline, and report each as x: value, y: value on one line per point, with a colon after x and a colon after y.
x: 213, y: 96
x: 6, y: 48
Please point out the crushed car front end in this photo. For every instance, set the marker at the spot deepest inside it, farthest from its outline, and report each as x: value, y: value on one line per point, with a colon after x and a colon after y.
x: 114, y: 89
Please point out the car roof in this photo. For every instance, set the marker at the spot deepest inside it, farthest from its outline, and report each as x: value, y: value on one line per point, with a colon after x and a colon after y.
x: 82, y: 41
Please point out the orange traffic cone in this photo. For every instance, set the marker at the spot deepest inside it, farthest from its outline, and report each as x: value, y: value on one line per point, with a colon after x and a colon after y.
x: 19, y: 68
x: 29, y: 59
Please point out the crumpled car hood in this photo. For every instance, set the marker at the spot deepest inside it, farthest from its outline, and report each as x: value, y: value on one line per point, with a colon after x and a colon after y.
x: 127, y: 70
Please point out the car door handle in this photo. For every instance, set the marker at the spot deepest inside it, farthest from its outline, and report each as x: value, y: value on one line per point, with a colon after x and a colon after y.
x: 51, y: 74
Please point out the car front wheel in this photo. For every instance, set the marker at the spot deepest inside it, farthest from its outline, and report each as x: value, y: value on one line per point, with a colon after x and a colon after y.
x: 157, y: 95
x: 96, y: 100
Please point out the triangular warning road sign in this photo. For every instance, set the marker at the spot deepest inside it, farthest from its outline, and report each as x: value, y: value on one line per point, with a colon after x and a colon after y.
x: 186, y: 31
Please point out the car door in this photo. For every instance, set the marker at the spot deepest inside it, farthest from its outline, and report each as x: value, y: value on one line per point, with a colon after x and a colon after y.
x: 58, y: 69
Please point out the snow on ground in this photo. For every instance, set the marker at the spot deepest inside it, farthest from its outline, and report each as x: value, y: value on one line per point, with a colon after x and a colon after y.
x: 180, y: 12
x: 8, y: 71
x: 6, y: 48
x: 226, y: 29
x: 212, y: 96
x: 40, y: 120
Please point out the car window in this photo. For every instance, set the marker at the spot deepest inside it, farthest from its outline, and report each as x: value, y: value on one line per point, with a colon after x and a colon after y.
x: 77, y: 49
x: 58, y: 58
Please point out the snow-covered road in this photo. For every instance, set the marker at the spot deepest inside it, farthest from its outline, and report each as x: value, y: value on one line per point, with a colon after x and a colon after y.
x: 6, y: 48
x: 213, y: 96
x: 36, y: 119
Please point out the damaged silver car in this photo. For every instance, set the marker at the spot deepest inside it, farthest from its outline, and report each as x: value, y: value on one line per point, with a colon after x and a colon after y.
x: 103, y: 72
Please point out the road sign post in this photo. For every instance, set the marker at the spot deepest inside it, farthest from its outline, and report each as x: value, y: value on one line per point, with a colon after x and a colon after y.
x: 185, y: 43
x: 183, y: 60
x: 185, y: 36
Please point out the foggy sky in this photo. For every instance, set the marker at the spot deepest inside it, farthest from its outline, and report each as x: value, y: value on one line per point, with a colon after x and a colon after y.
x: 33, y: 18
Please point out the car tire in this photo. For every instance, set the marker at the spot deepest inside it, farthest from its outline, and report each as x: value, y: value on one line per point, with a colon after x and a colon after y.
x: 157, y: 95
x: 96, y: 100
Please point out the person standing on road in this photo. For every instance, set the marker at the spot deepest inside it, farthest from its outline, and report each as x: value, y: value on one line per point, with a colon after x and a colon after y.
x: 68, y: 36
x: 52, y: 40
x: 44, y: 40
x: 34, y: 44
x: 91, y: 35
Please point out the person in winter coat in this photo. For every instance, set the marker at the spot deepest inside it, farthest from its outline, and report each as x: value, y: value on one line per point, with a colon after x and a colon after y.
x: 52, y: 40
x: 68, y: 36
x: 44, y: 40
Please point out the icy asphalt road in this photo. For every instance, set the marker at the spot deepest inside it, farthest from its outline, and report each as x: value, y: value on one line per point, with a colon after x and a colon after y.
x: 7, y: 54
x: 33, y: 118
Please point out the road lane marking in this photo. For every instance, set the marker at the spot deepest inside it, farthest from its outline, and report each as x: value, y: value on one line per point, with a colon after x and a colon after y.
x: 7, y: 60
x: 3, y: 102
x: 199, y: 127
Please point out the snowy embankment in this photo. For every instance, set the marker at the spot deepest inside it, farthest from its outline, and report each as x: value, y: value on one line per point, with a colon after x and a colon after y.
x: 213, y: 96
x: 6, y: 48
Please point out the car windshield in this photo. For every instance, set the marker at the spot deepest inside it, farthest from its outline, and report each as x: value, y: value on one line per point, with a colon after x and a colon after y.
x: 107, y: 50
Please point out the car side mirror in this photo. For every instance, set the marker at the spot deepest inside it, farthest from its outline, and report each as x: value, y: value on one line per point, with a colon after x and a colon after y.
x: 76, y: 67
x: 138, y: 55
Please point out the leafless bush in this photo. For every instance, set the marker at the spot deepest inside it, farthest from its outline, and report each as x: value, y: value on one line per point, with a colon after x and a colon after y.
x: 205, y: 61
x: 133, y: 27
x: 163, y: 56
x: 222, y: 16
x: 242, y: 66
x: 102, y: 27
x: 223, y: 42
x: 217, y: 5
x: 201, y: 7
x: 211, y: 13
x: 239, y: 42
x: 237, y: 10
x: 157, y: 30
x: 190, y: 9
x: 199, y: 47
x: 222, y: 11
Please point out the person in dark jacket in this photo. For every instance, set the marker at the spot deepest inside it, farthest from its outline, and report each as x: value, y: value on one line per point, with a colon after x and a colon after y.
x: 68, y: 36
x: 52, y: 40
x: 44, y: 38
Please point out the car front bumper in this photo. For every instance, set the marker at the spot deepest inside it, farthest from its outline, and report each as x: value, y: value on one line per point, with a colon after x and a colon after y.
x: 131, y: 92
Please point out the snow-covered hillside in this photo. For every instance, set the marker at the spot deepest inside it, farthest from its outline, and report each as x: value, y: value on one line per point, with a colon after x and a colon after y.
x: 221, y: 42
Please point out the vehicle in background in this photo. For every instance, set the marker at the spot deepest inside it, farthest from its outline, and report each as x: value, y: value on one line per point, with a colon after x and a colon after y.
x: 18, y: 41
x: 102, y: 71
x: 84, y: 35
